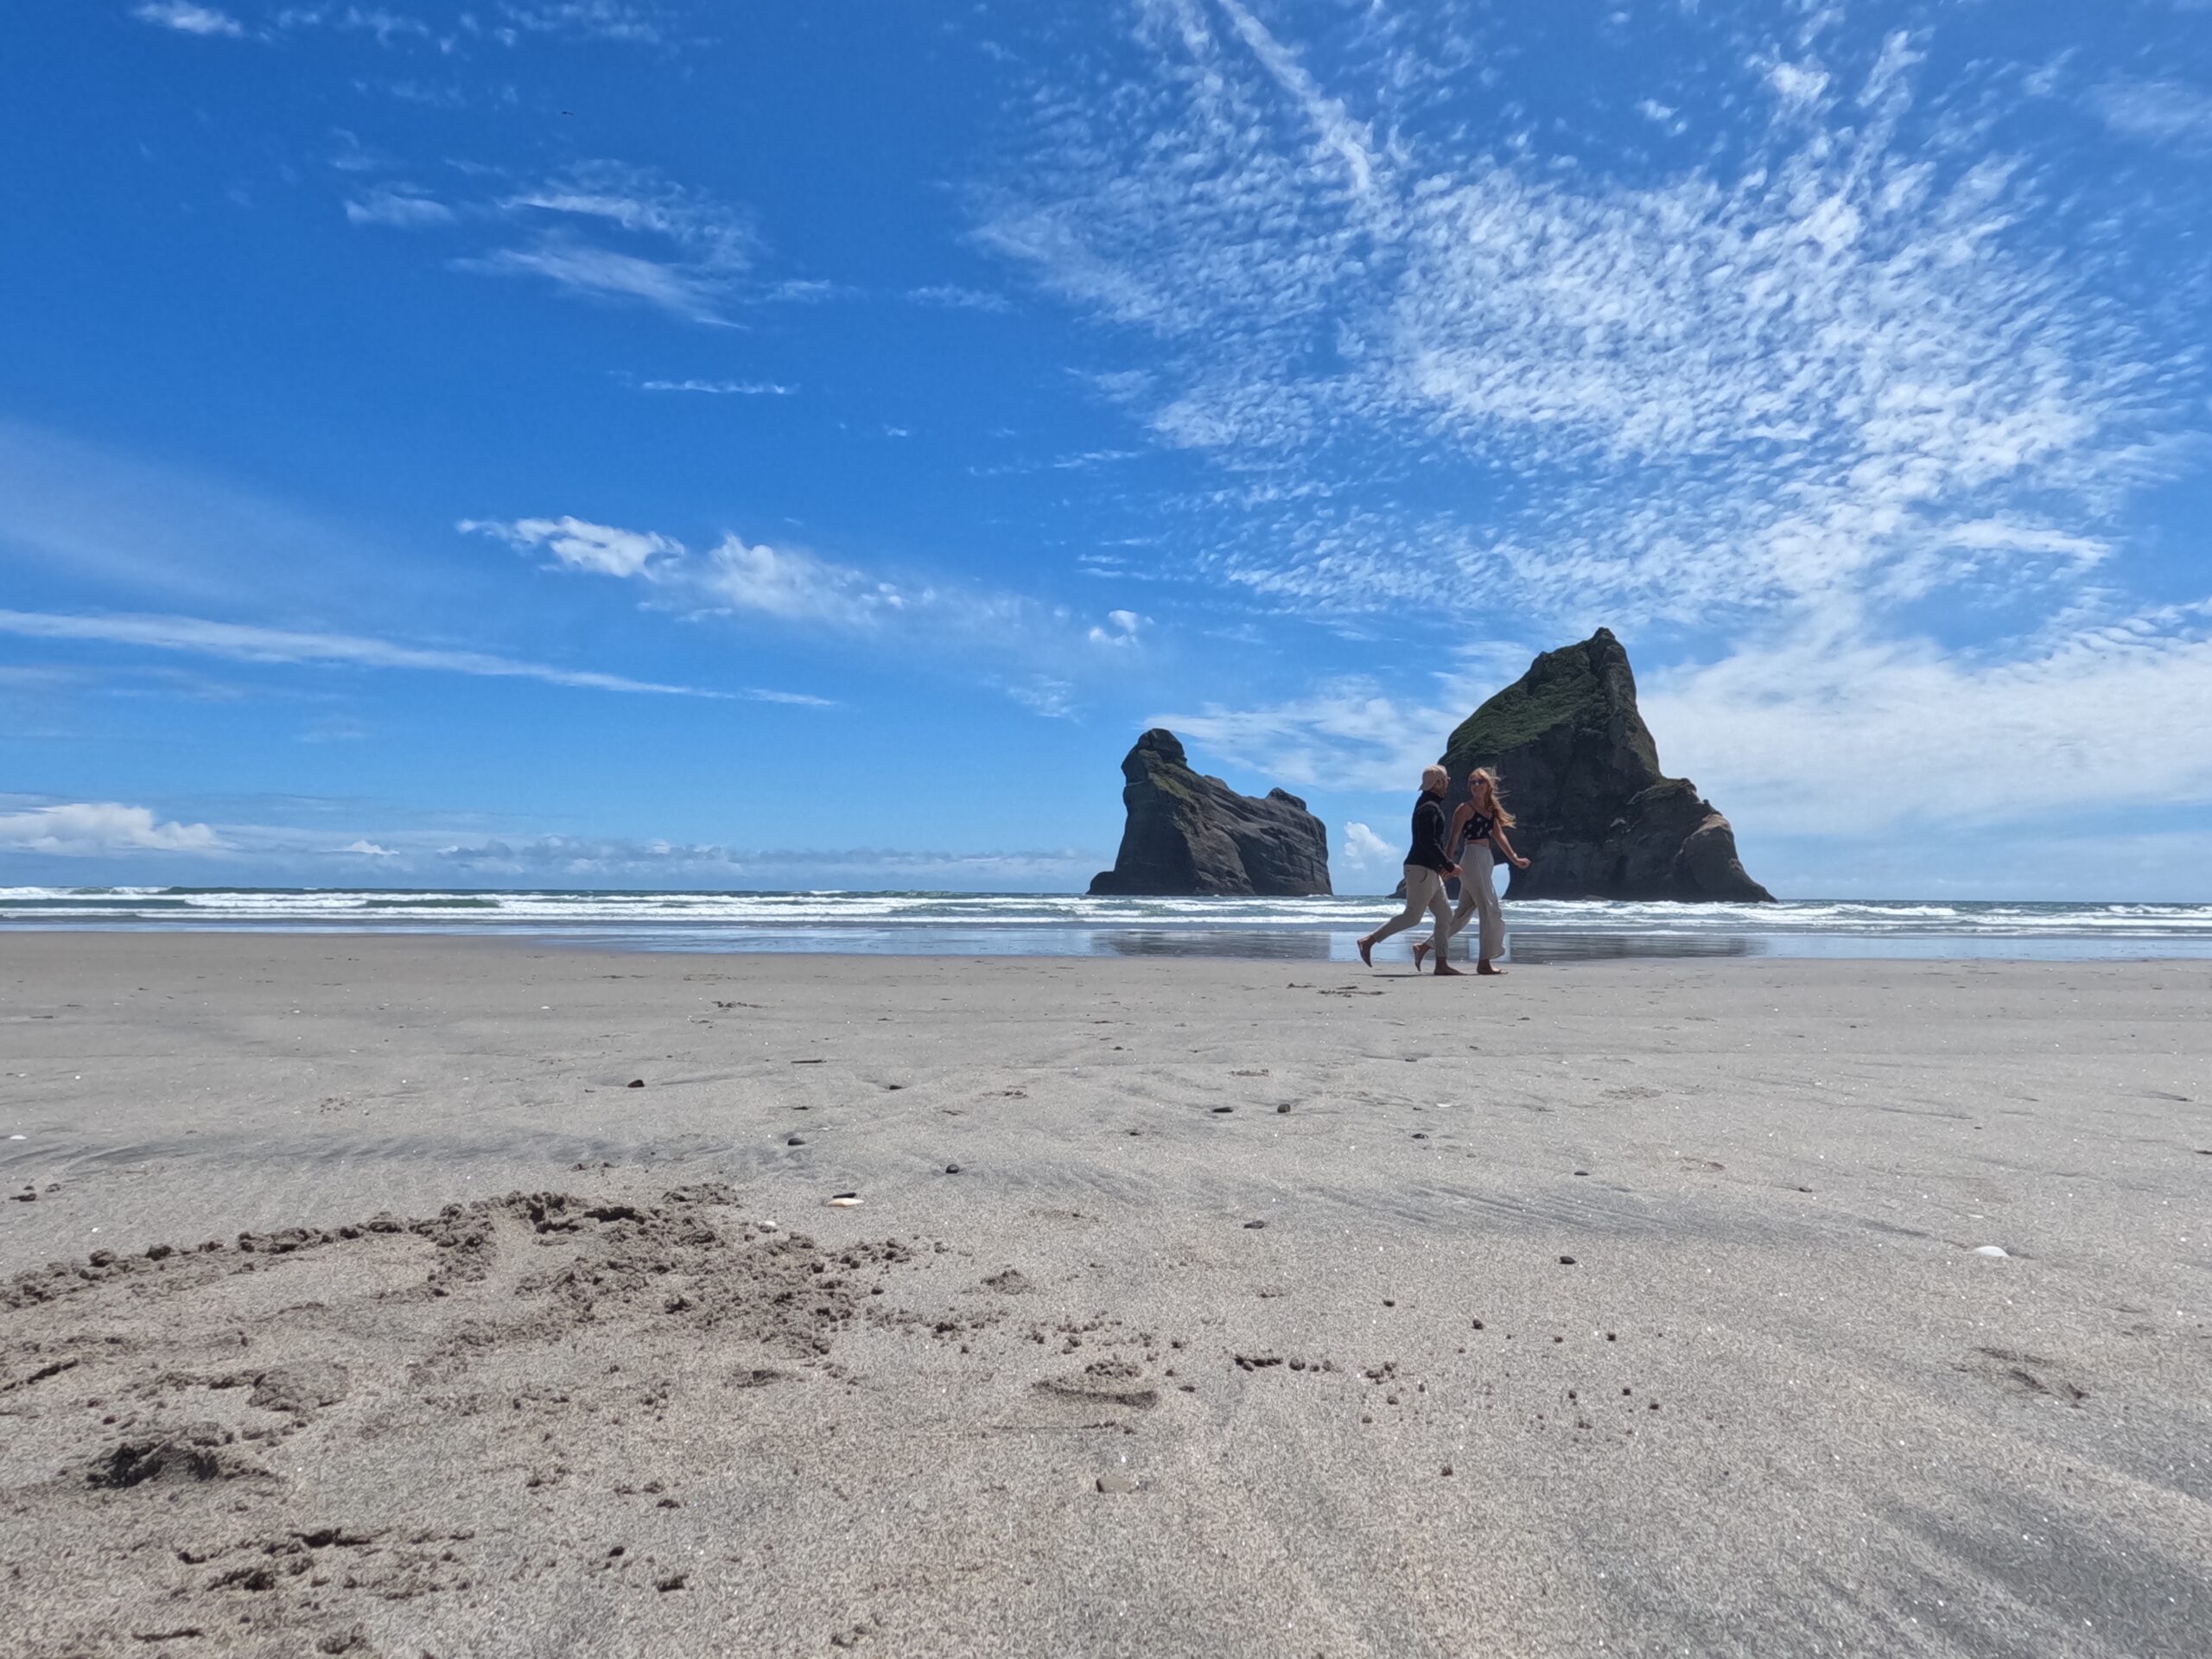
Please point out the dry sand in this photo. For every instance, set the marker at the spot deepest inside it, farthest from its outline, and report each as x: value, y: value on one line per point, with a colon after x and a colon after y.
x: 1273, y: 1310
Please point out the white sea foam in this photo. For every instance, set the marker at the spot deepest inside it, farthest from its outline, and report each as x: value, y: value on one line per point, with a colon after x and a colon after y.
x: 1054, y: 924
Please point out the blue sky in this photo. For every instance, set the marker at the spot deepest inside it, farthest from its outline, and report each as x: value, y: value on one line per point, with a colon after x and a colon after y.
x: 668, y: 443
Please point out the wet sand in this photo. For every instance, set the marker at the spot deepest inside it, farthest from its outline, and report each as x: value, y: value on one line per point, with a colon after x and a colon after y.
x: 1273, y: 1308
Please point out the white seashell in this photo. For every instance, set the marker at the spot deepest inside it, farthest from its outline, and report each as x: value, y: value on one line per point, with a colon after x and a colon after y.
x: 1991, y: 1250
x: 846, y: 1200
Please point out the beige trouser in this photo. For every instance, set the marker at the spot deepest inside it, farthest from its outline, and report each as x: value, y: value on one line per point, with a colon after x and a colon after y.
x: 1479, y: 890
x: 1424, y: 892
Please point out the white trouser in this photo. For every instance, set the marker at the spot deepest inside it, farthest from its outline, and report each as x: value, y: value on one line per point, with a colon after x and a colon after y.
x: 1424, y: 892
x: 1479, y: 890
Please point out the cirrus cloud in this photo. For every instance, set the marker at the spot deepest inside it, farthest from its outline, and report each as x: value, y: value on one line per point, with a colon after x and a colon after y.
x: 796, y: 587
x: 187, y: 18
x: 1787, y: 376
x: 247, y: 643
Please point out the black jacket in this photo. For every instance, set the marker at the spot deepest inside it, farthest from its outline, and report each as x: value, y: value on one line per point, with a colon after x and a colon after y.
x: 1429, y: 826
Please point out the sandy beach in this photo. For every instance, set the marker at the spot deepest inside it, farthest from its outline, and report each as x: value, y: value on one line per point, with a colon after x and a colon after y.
x: 354, y: 1298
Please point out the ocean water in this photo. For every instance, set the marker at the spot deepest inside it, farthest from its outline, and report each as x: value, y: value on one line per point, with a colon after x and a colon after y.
x: 969, y: 923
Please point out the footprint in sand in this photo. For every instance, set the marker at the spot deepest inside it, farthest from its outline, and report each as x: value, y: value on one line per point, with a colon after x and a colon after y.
x: 2026, y: 1375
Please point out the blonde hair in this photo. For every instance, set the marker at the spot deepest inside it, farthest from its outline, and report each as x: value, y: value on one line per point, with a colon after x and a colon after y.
x: 1431, y: 776
x: 1484, y: 775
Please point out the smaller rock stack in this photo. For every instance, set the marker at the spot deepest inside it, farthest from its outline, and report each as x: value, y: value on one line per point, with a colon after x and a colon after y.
x: 1188, y: 833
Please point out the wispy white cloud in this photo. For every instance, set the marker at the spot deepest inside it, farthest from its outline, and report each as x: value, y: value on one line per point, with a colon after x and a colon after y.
x: 380, y: 22
x: 240, y: 642
x: 1033, y: 652
x: 1855, y: 737
x: 143, y: 534
x: 1799, y: 86
x: 953, y: 297
x: 1348, y: 734
x: 721, y: 388
x: 335, y: 728
x: 604, y: 273
x: 788, y: 584
x: 792, y: 699
x: 807, y: 290
x: 637, y: 200
x: 436, y: 95
x: 794, y: 585
x: 398, y: 209
x: 1043, y: 695
x: 351, y: 155
x: 2162, y: 112
x: 188, y: 19
x: 1127, y: 387
x: 1789, y: 382
x: 577, y: 544
x: 612, y: 857
x: 626, y: 21
x: 1349, y: 140
x: 589, y: 21
x: 1083, y: 460
x: 1121, y: 630
x: 117, y: 832
x: 90, y: 828
x: 601, y: 230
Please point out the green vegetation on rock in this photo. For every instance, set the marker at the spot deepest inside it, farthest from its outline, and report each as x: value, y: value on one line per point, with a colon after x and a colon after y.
x: 1171, y: 780
x: 1559, y: 689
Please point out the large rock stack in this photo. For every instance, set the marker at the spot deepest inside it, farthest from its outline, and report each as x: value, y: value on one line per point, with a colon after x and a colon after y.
x: 1598, y: 819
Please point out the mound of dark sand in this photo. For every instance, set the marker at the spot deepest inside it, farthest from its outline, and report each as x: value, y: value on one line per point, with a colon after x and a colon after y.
x: 252, y: 1446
